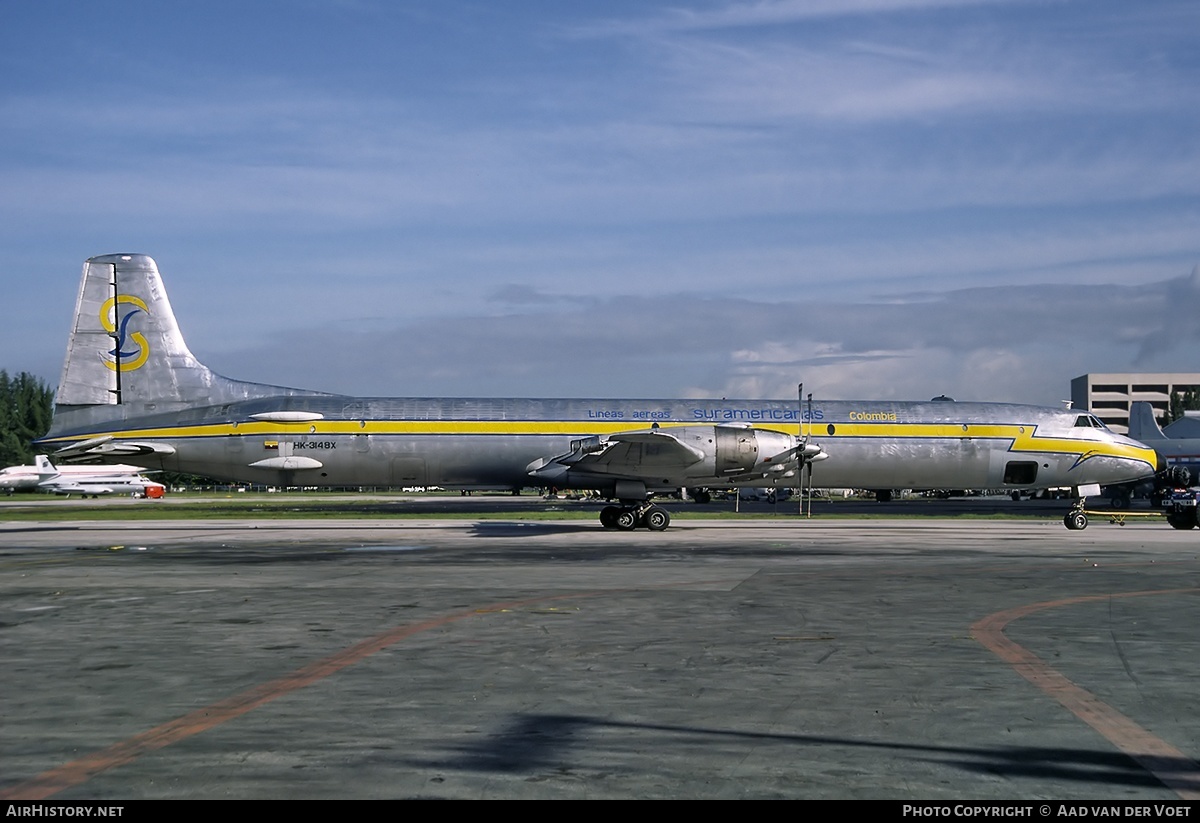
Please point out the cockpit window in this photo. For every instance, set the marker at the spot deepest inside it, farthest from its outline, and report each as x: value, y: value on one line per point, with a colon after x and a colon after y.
x: 1088, y: 421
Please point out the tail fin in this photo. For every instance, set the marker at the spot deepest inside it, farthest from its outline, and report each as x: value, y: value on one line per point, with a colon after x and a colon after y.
x: 1142, y: 424
x: 125, y: 345
x: 126, y: 355
x: 45, y: 469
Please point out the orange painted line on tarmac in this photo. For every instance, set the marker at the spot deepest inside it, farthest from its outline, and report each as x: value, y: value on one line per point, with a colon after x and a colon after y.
x: 1169, y: 765
x: 83, y: 769
x: 79, y: 771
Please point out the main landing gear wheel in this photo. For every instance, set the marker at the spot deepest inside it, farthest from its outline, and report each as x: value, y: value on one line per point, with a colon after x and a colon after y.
x: 1075, y: 520
x: 656, y: 519
x: 608, y: 516
x: 627, y: 520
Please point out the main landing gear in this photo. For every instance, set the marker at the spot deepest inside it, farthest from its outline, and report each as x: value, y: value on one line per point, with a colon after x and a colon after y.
x: 627, y: 518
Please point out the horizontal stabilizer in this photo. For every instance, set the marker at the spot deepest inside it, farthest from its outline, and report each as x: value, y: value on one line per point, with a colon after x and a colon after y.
x: 107, y: 447
x: 83, y: 448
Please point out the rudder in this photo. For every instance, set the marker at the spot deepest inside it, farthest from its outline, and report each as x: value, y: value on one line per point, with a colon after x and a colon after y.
x: 125, y: 343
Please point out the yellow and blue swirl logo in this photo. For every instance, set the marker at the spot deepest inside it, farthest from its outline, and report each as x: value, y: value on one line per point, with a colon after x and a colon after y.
x: 131, y: 350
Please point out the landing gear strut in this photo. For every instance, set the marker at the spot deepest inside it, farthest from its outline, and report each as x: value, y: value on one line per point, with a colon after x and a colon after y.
x: 627, y: 518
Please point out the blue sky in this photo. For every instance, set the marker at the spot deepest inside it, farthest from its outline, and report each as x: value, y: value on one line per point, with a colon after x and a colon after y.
x: 879, y: 198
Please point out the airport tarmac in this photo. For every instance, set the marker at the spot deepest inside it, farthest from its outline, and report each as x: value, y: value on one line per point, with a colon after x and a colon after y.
x: 784, y: 658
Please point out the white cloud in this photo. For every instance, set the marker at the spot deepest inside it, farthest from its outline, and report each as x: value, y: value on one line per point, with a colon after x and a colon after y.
x: 763, y: 13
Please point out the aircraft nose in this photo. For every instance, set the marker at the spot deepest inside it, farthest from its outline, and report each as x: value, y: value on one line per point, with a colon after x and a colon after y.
x: 1162, y: 463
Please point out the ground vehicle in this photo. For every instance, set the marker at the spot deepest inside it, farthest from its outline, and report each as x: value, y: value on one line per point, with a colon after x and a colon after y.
x: 1180, y: 506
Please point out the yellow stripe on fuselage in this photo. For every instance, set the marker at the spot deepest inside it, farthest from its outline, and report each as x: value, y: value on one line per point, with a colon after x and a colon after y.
x: 1023, y: 437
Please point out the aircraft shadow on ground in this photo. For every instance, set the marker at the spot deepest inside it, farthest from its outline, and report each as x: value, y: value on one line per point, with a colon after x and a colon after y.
x: 517, y: 528
x: 538, y: 742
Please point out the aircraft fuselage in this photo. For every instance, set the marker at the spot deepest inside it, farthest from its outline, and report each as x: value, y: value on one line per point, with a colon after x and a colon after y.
x: 491, y: 442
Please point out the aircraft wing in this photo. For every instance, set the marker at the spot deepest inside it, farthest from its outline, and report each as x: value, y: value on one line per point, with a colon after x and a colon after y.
x: 631, y: 454
x: 681, y: 455
x: 642, y: 451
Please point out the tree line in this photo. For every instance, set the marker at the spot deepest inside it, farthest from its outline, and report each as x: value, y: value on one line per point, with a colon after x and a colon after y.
x: 1181, y: 401
x: 26, y: 406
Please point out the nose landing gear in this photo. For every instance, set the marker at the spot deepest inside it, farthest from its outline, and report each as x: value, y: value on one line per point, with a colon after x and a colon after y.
x: 1076, y: 519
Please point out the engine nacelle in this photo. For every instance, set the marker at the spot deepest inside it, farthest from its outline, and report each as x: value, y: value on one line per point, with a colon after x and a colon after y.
x: 733, y: 450
x: 672, y: 457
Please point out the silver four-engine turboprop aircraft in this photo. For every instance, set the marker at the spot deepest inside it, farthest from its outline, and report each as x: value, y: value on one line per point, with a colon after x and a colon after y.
x: 132, y: 391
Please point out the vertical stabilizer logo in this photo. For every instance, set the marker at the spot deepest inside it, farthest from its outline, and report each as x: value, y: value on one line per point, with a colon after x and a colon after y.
x: 131, y: 350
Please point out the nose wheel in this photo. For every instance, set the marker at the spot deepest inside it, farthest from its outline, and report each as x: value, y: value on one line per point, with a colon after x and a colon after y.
x: 1075, y: 520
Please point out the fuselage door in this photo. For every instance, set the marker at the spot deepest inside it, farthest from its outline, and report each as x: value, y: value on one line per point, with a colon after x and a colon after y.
x: 1020, y: 472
